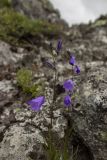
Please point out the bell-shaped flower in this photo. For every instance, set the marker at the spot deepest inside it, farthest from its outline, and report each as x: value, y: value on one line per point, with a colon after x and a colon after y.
x: 36, y: 103
x: 59, y: 46
x: 68, y: 85
x: 72, y: 60
x: 67, y: 101
x: 77, y: 69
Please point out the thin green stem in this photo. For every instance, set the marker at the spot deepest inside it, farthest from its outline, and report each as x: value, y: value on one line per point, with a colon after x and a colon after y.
x: 54, y: 91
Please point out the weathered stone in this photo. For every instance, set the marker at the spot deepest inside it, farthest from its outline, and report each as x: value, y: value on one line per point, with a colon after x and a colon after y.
x: 18, y: 143
x: 37, y: 9
x: 7, y: 56
x: 90, y: 121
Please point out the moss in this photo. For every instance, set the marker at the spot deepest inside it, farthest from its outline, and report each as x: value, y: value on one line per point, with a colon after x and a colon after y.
x: 16, y: 28
x: 35, y: 89
x: 24, y: 80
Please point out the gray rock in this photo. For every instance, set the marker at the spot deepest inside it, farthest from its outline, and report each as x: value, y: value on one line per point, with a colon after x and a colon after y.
x: 9, y: 57
x: 18, y: 143
x: 37, y: 9
x: 90, y: 121
x: 22, y: 136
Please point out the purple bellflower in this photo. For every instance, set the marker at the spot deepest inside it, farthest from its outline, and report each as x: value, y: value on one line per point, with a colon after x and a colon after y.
x: 67, y: 101
x: 36, y: 103
x: 72, y: 60
x: 77, y: 69
x: 59, y: 46
x: 68, y: 85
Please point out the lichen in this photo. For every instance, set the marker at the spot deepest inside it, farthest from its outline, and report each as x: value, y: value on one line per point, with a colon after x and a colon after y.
x: 103, y: 136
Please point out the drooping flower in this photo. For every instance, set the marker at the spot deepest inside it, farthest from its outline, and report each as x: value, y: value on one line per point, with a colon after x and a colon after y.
x: 68, y: 85
x: 36, y: 103
x: 59, y: 46
x: 67, y: 100
x: 72, y: 60
x: 48, y: 63
x: 77, y: 69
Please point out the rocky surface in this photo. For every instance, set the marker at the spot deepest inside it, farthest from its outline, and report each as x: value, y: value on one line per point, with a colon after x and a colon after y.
x: 38, y: 9
x: 21, y: 130
x: 8, y: 55
x: 90, y: 113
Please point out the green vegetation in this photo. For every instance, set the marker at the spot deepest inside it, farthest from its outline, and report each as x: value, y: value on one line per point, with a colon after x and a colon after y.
x: 16, y: 28
x: 53, y: 151
x: 56, y: 148
x: 5, y: 3
x: 99, y: 23
x: 24, y: 80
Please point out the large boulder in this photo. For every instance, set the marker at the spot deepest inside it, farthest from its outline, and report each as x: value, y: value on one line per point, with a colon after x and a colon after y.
x: 89, y: 116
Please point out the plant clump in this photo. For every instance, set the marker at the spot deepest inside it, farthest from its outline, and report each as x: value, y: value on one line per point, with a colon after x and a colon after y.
x: 24, y: 80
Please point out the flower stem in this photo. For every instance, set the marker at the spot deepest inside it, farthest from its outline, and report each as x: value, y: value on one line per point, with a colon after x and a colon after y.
x: 54, y: 92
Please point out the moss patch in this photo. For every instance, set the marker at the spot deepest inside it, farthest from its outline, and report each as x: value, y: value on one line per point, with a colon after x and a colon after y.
x: 24, y: 79
x: 16, y: 28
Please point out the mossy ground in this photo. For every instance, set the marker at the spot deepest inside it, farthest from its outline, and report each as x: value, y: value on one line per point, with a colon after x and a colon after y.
x: 16, y: 28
